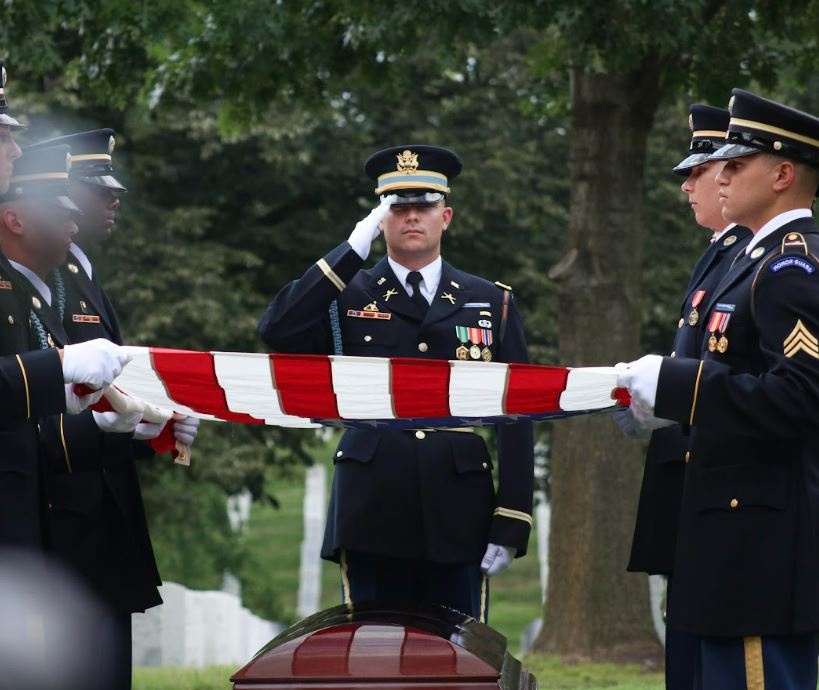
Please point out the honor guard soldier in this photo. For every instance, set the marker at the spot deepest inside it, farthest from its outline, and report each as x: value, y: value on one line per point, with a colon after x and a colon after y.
x: 746, y: 572
x: 33, y: 207
x: 655, y: 531
x: 414, y: 516
x: 9, y: 150
x: 92, y: 481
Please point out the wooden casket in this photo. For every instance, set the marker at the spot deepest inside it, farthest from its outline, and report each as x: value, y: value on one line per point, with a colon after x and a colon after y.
x: 368, y: 647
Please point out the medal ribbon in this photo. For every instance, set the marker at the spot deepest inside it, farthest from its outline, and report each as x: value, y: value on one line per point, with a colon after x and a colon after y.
x: 696, y: 300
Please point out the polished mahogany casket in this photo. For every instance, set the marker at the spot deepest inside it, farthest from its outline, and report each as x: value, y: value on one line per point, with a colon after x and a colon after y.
x: 367, y: 647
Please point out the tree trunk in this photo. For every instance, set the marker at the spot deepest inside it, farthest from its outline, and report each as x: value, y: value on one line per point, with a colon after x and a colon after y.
x: 594, y: 608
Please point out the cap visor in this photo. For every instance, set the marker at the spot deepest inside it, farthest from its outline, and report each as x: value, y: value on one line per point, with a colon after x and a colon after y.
x: 108, y: 181
x: 692, y: 161
x: 733, y: 151
x: 10, y: 122
x: 67, y: 204
x: 422, y: 198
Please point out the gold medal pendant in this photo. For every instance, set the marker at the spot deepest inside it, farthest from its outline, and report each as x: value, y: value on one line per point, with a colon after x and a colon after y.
x: 475, y: 352
x: 693, y: 317
x: 712, y: 343
x: 486, y: 355
x: 462, y: 352
x: 722, y: 345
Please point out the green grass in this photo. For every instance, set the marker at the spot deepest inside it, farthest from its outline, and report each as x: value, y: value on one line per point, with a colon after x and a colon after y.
x: 551, y: 675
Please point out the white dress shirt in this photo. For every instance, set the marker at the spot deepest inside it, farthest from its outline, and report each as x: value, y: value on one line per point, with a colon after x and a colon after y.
x: 431, y: 274
x: 719, y: 234
x: 775, y: 223
x: 85, y: 262
x: 35, y: 280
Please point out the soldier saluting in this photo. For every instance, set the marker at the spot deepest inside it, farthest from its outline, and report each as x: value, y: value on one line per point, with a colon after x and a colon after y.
x: 746, y: 572
x: 414, y: 516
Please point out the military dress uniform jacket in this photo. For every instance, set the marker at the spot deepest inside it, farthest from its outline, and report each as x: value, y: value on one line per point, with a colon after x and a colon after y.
x: 655, y: 531
x: 747, y: 559
x: 31, y: 384
x: 96, y: 519
x: 417, y: 495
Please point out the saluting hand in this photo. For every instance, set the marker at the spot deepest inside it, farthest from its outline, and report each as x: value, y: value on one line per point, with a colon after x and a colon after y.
x: 367, y: 230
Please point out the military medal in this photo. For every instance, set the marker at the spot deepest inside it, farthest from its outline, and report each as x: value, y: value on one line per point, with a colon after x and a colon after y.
x: 461, y: 332
x: 486, y: 353
x: 722, y: 345
x: 712, y: 343
x: 476, y: 337
x: 696, y: 300
x: 475, y: 352
x: 719, y: 325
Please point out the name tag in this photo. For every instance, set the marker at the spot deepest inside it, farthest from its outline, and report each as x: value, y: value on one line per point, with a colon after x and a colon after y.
x: 360, y: 314
x: 85, y: 318
x: 5, y: 285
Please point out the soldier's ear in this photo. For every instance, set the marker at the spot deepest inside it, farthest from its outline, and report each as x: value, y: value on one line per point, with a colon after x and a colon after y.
x: 12, y: 220
x: 785, y: 175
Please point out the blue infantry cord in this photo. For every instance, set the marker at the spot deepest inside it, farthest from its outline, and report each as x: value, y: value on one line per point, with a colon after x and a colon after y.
x: 335, y: 326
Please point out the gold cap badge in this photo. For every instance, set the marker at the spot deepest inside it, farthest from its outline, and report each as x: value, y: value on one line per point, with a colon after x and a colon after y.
x: 691, y: 122
x: 3, y: 76
x: 407, y: 162
x: 731, y: 105
x: 111, y: 144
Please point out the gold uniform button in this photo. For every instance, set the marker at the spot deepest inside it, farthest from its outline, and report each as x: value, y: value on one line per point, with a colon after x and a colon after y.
x: 734, y: 503
x: 486, y: 466
x: 680, y: 323
x: 11, y: 319
x: 674, y: 354
x: 420, y: 435
x: 367, y: 338
x: 687, y: 455
x: 423, y: 347
x: 339, y: 454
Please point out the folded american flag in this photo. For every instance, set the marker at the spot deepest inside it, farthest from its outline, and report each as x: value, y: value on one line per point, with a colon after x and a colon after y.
x: 318, y: 390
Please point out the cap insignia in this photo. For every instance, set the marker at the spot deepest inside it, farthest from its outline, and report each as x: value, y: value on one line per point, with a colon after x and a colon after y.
x: 111, y: 144
x: 407, y: 162
x: 777, y: 146
x: 731, y: 105
x: 3, y: 76
x: 691, y: 122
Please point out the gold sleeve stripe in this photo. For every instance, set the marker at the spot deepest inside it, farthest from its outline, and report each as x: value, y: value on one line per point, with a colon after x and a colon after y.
x: 331, y: 274
x: 25, y: 383
x: 696, y: 393
x: 65, y: 445
x: 345, y: 579
x: 514, y: 515
x: 484, y: 598
x: 754, y: 668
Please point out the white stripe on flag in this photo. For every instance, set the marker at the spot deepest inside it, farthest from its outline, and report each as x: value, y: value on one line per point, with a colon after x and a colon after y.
x: 362, y: 387
x: 139, y: 380
x: 589, y: 388
x: 247, y: 383
x: 477, y: 389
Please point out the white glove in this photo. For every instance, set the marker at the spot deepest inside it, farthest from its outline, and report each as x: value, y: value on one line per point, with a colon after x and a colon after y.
x: 630, y: 427
x: 116, y: 422
x: 645, y: 419
x: 95, y: 363
x: 147, y: 431
x: 640, y: 378
x: 496, y: 559
x: 185, y: 429
x: 74, y: 404
x: 367, y: 230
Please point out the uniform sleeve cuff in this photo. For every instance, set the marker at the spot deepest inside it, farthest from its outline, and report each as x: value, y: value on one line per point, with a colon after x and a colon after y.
x: 677, y: 389
x: 511, y: 531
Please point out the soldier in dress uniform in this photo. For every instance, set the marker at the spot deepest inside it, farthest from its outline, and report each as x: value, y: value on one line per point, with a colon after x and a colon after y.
x: 414, y: 516
x: 9, y: 150
x: 655, y: 531
x: 92, y: 481
x: 746, y: 570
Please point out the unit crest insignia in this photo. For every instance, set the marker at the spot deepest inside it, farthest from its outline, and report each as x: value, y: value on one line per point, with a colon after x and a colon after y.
x: 407, y: 162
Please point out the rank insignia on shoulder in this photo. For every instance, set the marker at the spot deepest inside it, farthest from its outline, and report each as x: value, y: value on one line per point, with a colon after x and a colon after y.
x: 800, y: 339
x: 73, y: 268
x: 728, y: 241
x: 6, y: 285
x: 799, y: 262
x: 794, y: 240
x: 503, y: 286
x: 759, y: 251
x: 369, y: 314
x: 85, y: 318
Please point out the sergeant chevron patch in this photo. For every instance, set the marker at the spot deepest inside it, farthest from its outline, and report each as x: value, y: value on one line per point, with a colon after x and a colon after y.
x: 801, y: 339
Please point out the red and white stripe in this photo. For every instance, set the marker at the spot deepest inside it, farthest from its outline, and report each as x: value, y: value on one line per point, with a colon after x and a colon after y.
x: 292, y: 390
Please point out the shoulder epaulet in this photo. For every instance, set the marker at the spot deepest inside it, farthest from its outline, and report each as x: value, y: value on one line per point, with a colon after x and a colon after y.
x: 794, y: 241
x: 503, y: 286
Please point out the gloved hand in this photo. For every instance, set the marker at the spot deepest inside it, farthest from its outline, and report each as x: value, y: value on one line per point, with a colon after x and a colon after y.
x: 367, y: 230
x: 640, y: 378
x: 146, y: 431
x: 185, y: 429
x: 74, y: 404
x: 645, y: 419
x: 496, y: 559
x: 95, y: 363
x: 116, y: 422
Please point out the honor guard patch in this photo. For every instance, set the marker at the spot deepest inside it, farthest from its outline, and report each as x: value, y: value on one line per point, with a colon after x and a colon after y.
x: 793, y: 262
x: 799, y: 340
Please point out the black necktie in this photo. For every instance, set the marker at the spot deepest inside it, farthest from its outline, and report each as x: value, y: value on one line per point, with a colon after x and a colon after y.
x: 414, y: 278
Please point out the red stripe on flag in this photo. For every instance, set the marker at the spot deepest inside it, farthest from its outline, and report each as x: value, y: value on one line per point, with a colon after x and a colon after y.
x: 305, y: 385
x: 190, y: 379
x: 420, y: 387
x: 534, y: 389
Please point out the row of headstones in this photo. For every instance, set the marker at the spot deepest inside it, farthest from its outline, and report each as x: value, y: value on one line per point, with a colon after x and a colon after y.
x: 198, y: 628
